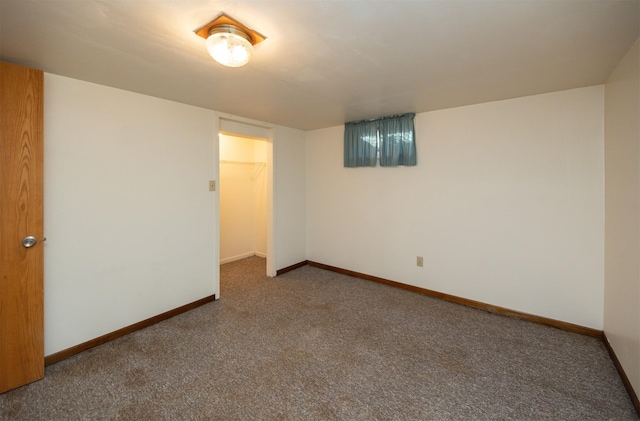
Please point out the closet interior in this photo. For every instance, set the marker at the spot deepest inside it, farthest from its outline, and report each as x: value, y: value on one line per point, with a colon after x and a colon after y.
x: 243, y: 198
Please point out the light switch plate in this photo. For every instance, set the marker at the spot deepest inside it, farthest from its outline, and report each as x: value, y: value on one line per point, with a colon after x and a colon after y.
x: 212, y: 185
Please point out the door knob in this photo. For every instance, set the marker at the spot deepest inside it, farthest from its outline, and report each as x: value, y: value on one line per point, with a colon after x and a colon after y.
x: 29, y: 241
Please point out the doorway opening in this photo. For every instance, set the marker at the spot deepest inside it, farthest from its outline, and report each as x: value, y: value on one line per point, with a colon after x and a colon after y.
x: 262, y: 171
x: 243, y: 197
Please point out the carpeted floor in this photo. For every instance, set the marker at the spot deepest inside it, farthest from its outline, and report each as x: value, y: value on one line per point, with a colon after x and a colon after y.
x: 316, y: 345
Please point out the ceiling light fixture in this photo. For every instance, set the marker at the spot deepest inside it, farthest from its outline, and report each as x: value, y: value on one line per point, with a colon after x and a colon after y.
x: 229, y: 42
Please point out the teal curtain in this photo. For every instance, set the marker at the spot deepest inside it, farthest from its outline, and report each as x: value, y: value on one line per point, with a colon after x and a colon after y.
x: 360, y: 144
x: 393, y: 137
x: 397, y: 141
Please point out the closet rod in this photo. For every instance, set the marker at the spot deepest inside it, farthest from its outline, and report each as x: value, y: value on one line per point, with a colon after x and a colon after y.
x: 224, y: 161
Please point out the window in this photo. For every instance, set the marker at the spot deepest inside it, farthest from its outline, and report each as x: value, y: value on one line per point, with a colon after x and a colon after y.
x: 391, y: 140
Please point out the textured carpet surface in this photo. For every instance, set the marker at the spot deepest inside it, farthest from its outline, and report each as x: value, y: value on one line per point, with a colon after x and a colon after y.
x: 316, y: 345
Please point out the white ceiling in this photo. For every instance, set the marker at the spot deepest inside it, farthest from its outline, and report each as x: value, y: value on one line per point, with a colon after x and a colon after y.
x: 327, y: 62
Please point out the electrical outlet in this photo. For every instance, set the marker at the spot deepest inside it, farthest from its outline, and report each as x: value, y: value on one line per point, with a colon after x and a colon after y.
x: 212, y: 185
x: 420, y: 261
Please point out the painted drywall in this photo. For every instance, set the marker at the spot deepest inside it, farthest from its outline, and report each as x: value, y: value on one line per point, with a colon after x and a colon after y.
x: 622, y: 209
x: 243, y: 212
x: 231, y: 127
x: 129, y: 219
x: 290, y: 193
x: 506, y: 205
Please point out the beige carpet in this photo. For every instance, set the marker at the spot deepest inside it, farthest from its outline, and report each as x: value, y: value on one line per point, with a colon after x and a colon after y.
x: 316, y: 345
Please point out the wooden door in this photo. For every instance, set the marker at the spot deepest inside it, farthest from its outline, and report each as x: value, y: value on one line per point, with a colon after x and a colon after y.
x: 21, y: 268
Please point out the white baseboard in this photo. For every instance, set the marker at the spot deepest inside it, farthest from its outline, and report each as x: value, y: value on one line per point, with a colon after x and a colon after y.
x: 242, y: 256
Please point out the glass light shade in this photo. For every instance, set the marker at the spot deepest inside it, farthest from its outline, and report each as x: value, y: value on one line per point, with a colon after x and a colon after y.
x: 229, y: 49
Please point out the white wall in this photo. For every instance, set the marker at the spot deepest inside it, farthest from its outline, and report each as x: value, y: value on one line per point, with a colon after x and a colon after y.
x: 129, y: 219
x: 622, y: 225
x: 290, y: 192
x: 506, y: 205
x: 243, y: 212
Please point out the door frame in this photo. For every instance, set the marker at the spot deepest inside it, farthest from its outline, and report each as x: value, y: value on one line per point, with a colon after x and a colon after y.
x: 242, y: 126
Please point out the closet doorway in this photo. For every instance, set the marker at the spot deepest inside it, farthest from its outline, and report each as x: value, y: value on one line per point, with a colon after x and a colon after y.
x: 243, y: 197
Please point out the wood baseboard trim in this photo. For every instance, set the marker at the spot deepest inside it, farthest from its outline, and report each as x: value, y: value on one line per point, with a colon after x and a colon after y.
x: 469, y: 303
x: 292, y: 267
x: 69, y: 352
x: 623, y: 375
